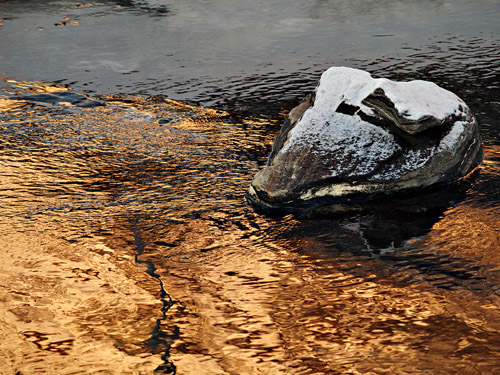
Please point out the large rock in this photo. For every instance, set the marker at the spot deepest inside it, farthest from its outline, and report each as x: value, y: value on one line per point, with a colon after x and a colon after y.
x: 356, y: 137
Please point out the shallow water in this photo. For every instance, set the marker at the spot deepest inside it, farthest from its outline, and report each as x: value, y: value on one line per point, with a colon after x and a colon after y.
x: 127, y: 245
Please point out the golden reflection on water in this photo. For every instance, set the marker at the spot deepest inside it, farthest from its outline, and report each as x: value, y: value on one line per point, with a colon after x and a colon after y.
x: 72, y: 308
x: 472, y: 232
x: 127, y: 247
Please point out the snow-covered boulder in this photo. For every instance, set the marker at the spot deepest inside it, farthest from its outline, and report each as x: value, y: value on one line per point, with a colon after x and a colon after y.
x: 357, y: 136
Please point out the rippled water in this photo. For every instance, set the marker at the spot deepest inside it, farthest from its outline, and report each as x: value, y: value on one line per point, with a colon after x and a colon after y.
x: 126, y: 242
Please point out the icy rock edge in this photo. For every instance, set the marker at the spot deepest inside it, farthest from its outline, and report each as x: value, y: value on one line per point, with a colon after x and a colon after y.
x: 357, y: 136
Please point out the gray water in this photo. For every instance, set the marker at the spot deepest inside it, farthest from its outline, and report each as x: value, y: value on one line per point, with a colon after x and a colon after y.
x: 130, y: 131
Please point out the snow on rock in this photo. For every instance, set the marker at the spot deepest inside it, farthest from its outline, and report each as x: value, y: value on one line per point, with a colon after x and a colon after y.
x: 419, y: 99
x: 361, y: 135
x: 346, y: 137
x: 413, y: 100
x: 451, y: 139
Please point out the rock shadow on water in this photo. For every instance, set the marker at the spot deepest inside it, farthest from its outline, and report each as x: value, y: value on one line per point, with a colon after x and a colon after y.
x: 398, y: 217
x: 386, y: 238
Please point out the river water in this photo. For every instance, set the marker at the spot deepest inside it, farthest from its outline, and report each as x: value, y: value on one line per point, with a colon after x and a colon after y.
x: 130, y: 132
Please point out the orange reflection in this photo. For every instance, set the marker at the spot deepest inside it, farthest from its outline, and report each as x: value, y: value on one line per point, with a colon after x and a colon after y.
x: 125, y: 236
x: 469, y: 231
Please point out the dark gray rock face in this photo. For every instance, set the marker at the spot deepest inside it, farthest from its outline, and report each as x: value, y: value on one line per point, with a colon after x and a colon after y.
x: 357, y: 136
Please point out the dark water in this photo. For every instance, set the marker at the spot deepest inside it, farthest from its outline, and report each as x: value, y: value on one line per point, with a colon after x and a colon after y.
x: 129, y: 134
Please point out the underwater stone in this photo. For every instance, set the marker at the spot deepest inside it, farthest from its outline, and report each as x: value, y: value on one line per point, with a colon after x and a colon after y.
x: 357, y: 136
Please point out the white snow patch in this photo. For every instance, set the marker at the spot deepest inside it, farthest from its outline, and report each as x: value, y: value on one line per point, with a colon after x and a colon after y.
x: 418, y: 99
x: 339, y: 84
x: 414, y: 159
x: 329, y: 132
x: 450, y: 140
x: 365, y: 144
x: 413, y: 100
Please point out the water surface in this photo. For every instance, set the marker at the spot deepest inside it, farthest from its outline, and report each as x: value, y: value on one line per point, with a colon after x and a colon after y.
x: 130, y: 131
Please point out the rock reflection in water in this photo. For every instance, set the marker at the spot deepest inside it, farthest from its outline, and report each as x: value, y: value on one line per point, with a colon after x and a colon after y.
x: 127, y: 247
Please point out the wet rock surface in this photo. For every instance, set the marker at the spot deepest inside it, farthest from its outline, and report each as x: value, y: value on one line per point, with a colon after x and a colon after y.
x: 357, y: 137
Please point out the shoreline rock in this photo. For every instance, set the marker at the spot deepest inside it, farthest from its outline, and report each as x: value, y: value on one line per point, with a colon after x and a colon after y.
x: 357, y: 136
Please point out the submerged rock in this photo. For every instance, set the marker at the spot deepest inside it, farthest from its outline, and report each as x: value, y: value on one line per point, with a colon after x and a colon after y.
x: 356, y: 137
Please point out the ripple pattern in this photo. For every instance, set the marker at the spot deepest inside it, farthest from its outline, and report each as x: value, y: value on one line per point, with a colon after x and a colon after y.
x: 128, y: 248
